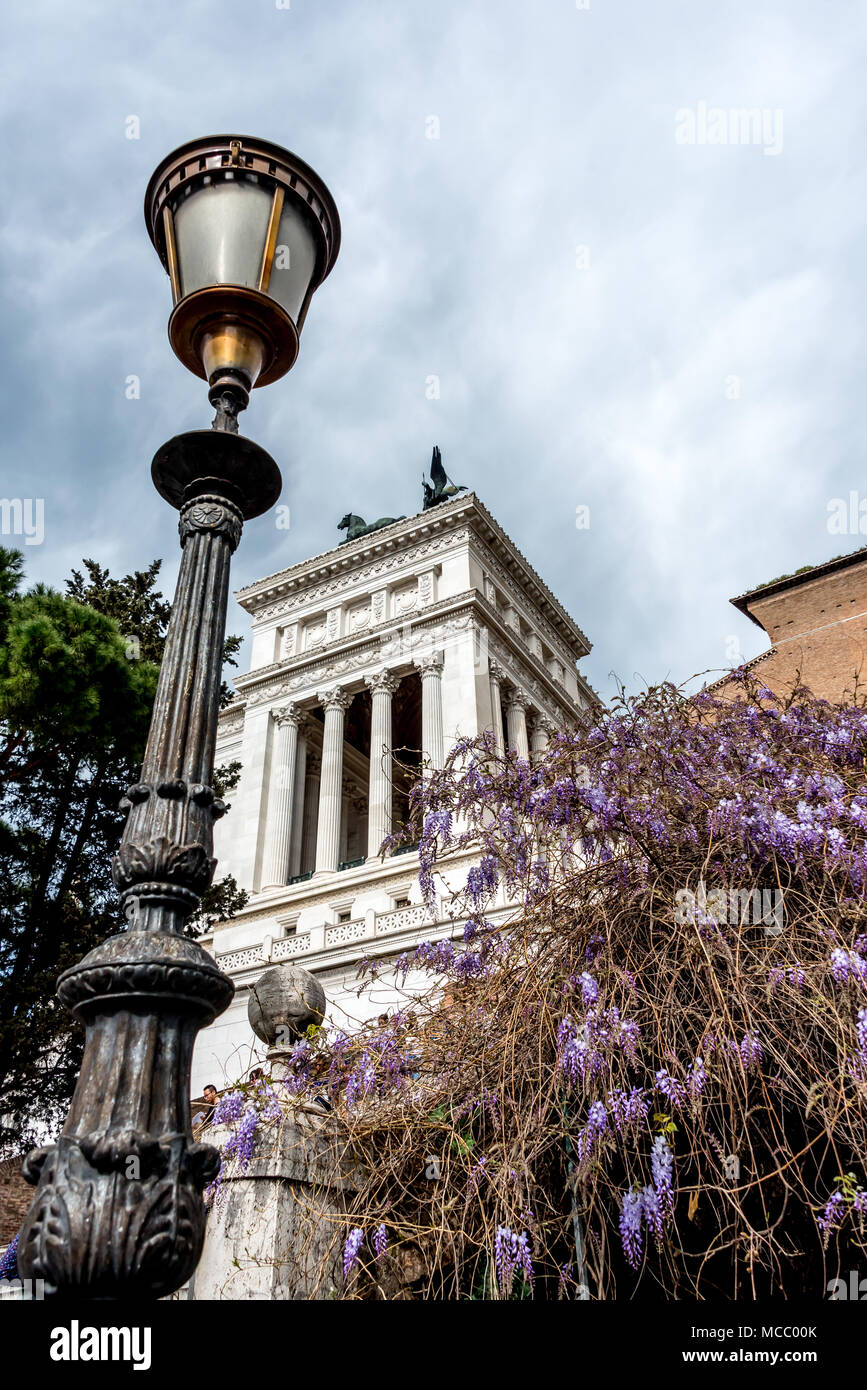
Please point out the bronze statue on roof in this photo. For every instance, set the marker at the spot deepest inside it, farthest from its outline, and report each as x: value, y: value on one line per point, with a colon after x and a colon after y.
x: 356, y: 526
x: 439, y: 489
x: 443, y: 488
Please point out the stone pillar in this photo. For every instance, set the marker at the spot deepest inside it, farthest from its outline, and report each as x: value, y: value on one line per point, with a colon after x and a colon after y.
x: 311, y: 811
x: 281, y: 795
x: 345, y: 811
x: 496, y: 675
x: 516, y: 719
x: 431, y: 669
x: 382, y: 687
x: 298, y: 802
x: 540, y: 733
x: 277, y: 1234
x: 336, y: 703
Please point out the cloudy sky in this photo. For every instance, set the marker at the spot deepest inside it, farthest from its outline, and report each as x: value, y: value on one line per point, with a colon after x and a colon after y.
x: 623, y: 313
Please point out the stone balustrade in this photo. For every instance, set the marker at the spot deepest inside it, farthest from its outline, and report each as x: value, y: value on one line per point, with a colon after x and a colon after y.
x: 373, y: 926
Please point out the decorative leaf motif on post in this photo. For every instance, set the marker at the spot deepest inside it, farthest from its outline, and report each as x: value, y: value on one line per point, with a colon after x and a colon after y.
x: 189, y: 865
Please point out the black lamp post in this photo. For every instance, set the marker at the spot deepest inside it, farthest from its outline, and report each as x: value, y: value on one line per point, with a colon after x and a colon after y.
x: 246, y: 232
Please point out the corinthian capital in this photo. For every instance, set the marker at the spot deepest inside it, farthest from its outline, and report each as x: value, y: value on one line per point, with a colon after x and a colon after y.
x: 337, y: 698
x: 383, y: 680
x: 515, y: 699
x: 496, y: 672
x: 430, y: 663
x: 288, y: 714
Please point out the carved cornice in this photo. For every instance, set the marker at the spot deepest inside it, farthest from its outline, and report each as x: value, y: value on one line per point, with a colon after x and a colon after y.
x: 391, y: 874
x: 231, y: 719
x: 405, y: 543
x: 396, y: 641
x: 534, y: 616
x: 342, y: 577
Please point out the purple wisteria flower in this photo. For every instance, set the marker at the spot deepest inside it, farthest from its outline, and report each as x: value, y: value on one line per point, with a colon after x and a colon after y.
x: 477, y: 1172
x: 511, y: 1253
x: 246, y: 1136
x: 482, y: 880
x: 848, y: 966
x: 589, y: 988
x: 267, y: 1099
x: 662, y: 1171
x: 585, y: 1047
x: 597, y: 1124
x: 352, y: 1249
x: 696, y: 1077
x: 750, y: 1050
x: 671, y: 1088
x: 653, y: 1210
x: 793, y: 975
x: 229, y: 1108
x: 651, y: 1206
x: 835, y: 1210
x: 627, y: 1109
x: 380, y: 1243
x: 631, y: 1232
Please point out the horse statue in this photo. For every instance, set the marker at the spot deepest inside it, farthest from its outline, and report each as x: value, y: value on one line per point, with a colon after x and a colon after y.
x: 356, y: 526
x: 443, y: 488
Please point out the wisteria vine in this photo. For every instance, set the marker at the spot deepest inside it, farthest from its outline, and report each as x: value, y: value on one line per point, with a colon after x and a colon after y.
x: 636, y: 1079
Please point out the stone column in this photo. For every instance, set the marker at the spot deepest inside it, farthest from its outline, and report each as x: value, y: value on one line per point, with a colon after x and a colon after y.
x: 345, y: 807
x: 432, y: 743
x: 496, y: 674
x: 516, y: 719
x: 381, y: 686
x: 298, y: 802
x: 281, y: 794
x: 540, y: 733
x: 336, y: 703
x: 311, y: 811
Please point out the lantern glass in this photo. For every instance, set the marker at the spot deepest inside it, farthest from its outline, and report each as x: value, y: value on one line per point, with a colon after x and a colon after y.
x: 294, y: 261
x: 220, y: 230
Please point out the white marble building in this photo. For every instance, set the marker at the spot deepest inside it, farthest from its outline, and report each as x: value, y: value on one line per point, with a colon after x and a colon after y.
x: 405, y: 639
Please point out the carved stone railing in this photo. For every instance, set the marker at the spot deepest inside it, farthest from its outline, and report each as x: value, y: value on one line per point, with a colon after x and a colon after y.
x: 288, y: 946
x: 344, y: 932
x: 368, y: 928
x: 401, y: 919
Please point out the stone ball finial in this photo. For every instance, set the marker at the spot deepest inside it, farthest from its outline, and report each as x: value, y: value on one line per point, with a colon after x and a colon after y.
x: 283, y: 1004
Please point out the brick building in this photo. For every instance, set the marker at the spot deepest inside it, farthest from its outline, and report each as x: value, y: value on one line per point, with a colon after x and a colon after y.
x: 816, y: 621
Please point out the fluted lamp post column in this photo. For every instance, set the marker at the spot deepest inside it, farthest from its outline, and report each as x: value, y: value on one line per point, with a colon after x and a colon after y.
x: 118, y: 1210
